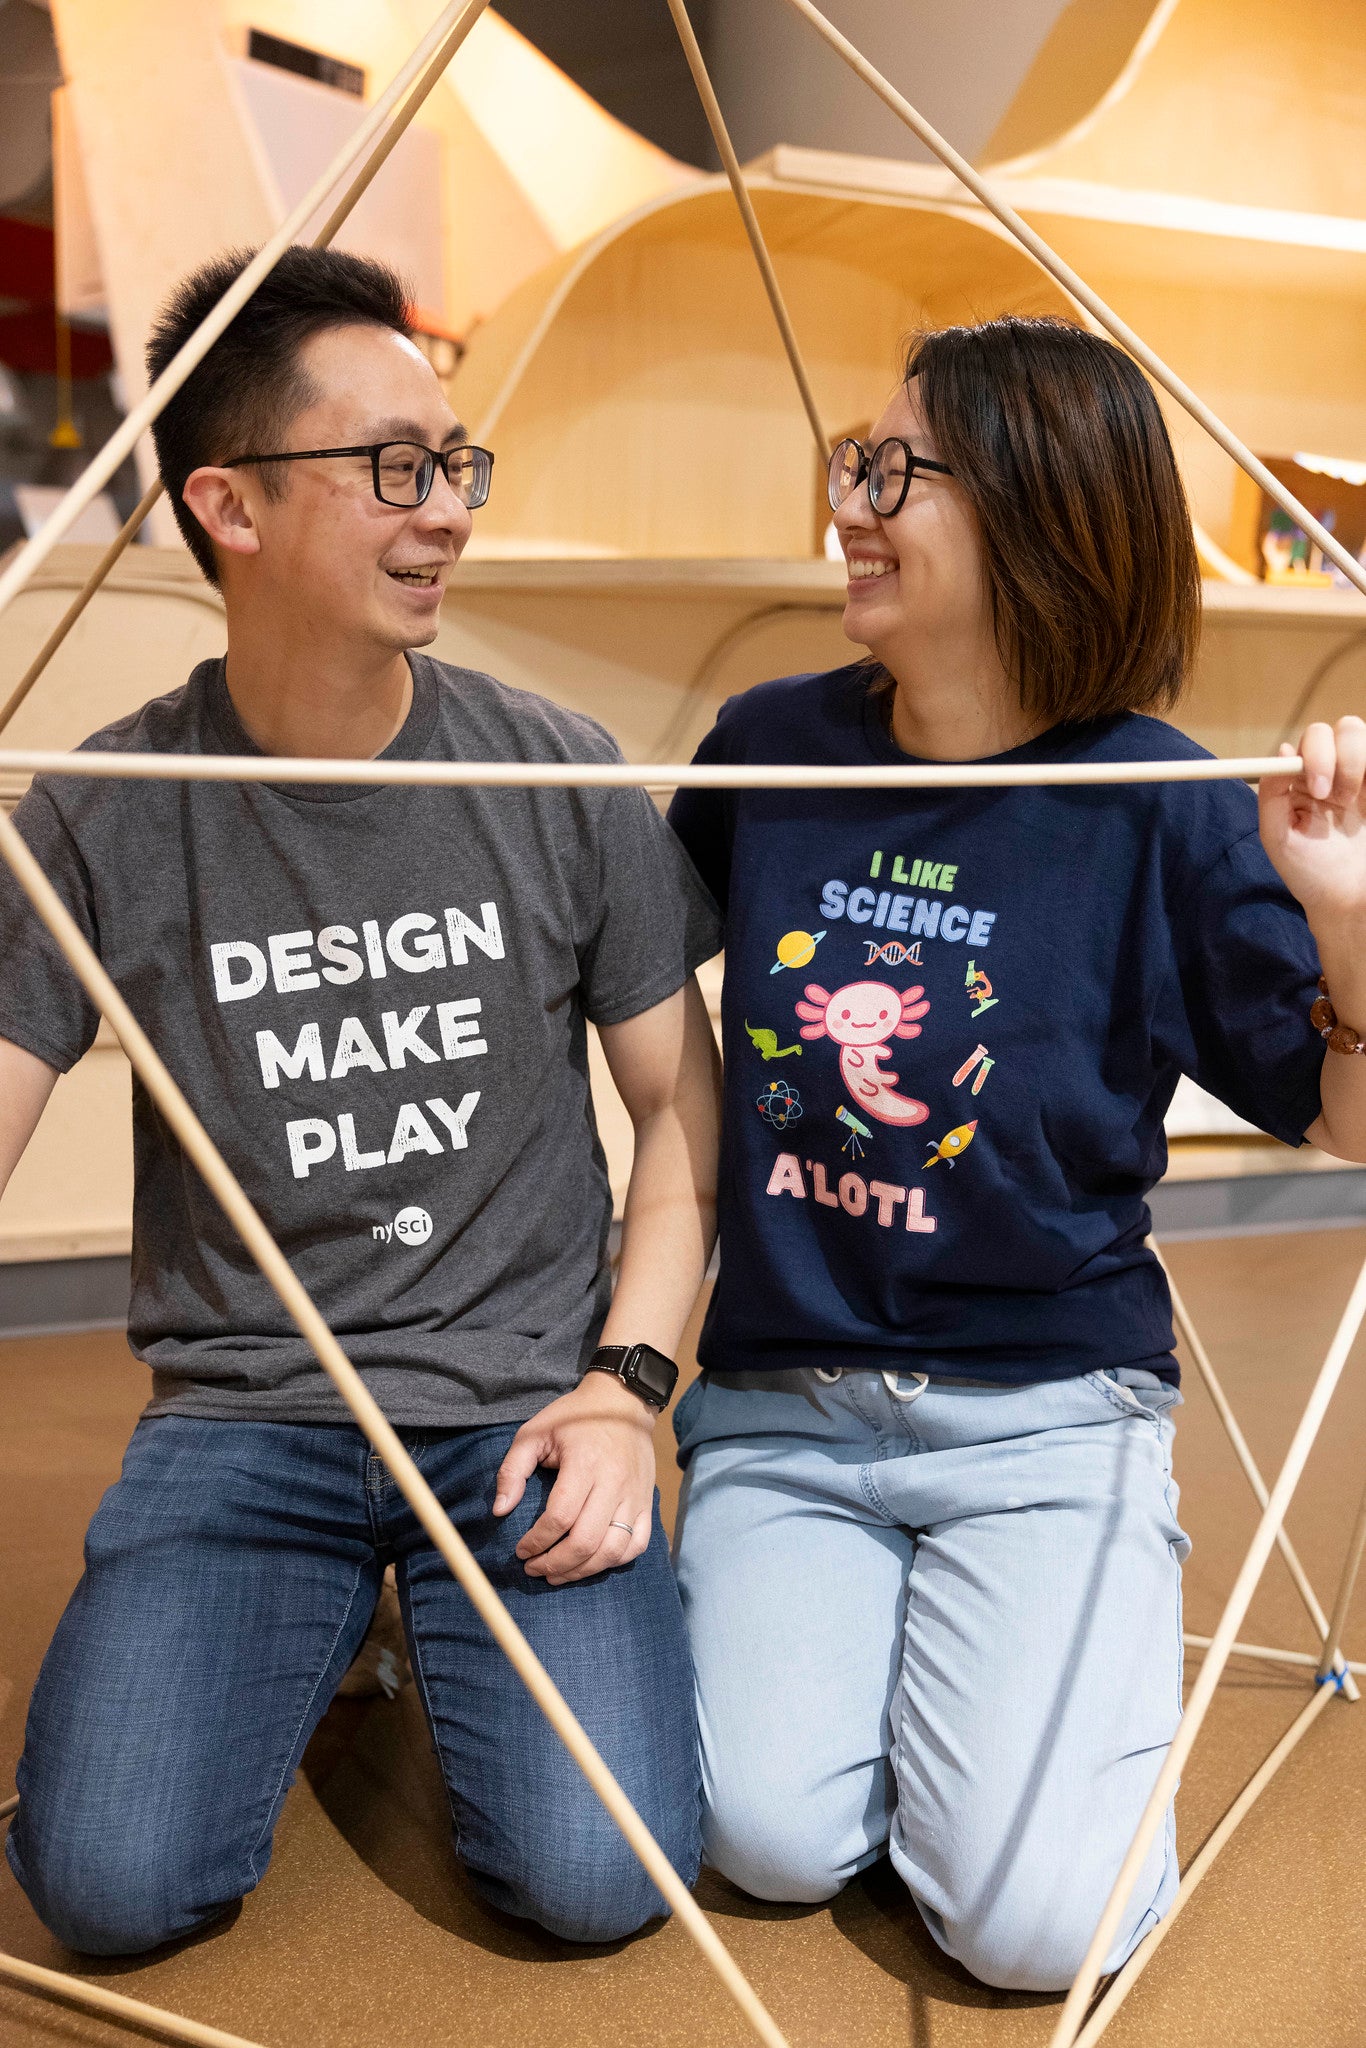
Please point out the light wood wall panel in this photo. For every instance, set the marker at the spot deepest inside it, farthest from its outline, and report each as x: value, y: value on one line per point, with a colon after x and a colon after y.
x: 71, y: 1195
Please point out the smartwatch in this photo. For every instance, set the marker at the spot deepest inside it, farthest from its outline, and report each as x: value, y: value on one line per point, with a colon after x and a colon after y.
x: 640, y: 1367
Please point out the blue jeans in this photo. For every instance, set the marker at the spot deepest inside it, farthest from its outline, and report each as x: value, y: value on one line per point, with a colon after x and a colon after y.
x: 230, y: 1576
x: 943, y: 1621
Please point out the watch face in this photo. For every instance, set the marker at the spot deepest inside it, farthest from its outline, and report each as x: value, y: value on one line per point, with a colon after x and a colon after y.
x: 653, y: 1371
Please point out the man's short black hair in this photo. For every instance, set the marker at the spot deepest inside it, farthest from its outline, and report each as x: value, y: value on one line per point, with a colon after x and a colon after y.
x: 250, y: 386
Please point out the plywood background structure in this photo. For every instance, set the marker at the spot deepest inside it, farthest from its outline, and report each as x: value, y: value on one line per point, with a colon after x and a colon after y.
x: 1197, y: 161
x: 649, y: 359
x: 155, y: 86
x: 637, y: 396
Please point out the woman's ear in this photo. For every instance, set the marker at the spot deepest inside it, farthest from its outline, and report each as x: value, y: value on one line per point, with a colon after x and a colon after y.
x: 220, y: 503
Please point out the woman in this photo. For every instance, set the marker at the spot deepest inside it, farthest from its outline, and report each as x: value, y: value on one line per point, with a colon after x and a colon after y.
x: 928, y: 1539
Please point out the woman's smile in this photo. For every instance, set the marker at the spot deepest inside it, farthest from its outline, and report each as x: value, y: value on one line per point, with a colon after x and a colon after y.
x: 865, y: 568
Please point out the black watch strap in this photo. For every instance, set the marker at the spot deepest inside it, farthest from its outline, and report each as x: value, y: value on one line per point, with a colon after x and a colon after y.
x: 640, y: 1367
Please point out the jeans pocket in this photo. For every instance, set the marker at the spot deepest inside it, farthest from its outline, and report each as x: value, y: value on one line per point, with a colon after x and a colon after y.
x: 1155, y: 1401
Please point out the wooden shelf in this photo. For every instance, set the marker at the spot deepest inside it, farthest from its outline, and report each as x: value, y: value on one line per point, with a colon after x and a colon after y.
x: 171, y: 571
x: 1279, y: 604
x: 757, y: 578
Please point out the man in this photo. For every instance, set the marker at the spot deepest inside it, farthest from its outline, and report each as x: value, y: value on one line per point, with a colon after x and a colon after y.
x: 376, y: 1000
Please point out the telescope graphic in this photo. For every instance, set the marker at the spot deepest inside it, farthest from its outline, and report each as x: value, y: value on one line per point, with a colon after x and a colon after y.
x: 857, y: 1132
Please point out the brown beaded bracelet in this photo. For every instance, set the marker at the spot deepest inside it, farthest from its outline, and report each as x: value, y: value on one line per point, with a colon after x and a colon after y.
x: 1324, y: 1018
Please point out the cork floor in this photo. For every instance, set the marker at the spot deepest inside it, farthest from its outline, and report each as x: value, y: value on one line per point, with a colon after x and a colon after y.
x: 364, y: 1935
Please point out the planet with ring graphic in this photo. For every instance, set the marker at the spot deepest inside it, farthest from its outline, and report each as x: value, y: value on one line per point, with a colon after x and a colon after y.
x: 796, y: 949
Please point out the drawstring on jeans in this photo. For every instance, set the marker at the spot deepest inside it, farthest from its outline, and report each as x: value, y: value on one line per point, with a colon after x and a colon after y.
x: 890, y: 1380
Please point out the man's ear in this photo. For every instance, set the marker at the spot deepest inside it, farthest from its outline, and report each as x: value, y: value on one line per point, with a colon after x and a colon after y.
x: 222, y: 506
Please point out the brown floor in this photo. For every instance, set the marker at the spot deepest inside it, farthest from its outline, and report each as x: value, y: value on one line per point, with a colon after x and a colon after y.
x: 364, y: 1934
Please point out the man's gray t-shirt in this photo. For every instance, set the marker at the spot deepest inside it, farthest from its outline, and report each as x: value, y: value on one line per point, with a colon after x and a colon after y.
x: 375, y: 999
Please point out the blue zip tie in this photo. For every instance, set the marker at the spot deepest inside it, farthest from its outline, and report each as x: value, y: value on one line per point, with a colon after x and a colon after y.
x: 1337, y: 1679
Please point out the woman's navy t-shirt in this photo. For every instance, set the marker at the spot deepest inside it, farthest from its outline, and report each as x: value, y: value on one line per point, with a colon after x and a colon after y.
x: 953, y: 1023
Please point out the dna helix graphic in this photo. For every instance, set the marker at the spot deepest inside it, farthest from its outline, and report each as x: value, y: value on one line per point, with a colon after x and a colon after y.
x: 893, y: 952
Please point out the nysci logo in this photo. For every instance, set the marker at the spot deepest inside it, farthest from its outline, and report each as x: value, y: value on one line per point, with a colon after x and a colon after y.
x: 411, y: 1226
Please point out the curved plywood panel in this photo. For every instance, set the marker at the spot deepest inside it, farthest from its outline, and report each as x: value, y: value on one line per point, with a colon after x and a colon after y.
x: 1087, y: 59
x: 639, y: 400
x: 1249, y: 102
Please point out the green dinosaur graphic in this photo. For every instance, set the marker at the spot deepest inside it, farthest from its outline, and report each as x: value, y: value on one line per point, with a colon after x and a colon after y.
x: 766, y: 1044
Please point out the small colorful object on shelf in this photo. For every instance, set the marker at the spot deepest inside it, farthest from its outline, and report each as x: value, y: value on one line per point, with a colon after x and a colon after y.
x: 1287, y: 556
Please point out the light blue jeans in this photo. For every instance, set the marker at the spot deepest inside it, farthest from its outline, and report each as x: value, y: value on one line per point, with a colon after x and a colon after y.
x: 943, y: 1621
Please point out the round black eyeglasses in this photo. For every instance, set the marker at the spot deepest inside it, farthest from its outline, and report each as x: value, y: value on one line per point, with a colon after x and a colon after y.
x: 404, y: 471
x: 889, y: 470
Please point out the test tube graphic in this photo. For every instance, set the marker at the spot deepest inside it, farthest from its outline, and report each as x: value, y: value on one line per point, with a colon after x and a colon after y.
x: 984, y: 1064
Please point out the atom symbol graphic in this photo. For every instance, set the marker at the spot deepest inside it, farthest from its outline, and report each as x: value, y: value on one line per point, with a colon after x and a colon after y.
x: 779, y: 1105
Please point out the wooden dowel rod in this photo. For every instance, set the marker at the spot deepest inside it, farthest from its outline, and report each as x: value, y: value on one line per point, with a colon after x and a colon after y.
x: 1242, y: 1450
x: 78, y: 603
x: 725, y: 149
x: 1138, y: 1962
x: 623, y: 774
x: 55, y: 1984
x: 9, y: 1806
x: 1263, y: 1651
x: 1078, y: 289
x: 233, y: 1200
x: 446, y: 33
x: 1240, y: 1599
x: 1335, y: 1629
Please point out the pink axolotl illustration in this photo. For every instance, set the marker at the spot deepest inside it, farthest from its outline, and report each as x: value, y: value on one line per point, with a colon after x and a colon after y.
x: 861, y: 1017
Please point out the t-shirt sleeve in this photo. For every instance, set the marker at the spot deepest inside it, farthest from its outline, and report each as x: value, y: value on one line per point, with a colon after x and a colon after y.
x: 704, y: 819
x: 43, y: 1007
x: 650, y: 922
x: 1248, y: 970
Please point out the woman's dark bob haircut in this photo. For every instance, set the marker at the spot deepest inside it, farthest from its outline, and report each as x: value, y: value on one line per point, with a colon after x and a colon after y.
x: 1056, y: 439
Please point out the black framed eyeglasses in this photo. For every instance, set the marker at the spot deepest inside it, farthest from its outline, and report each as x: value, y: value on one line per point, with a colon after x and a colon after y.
x: 404, y: 471
x: 889, y: 470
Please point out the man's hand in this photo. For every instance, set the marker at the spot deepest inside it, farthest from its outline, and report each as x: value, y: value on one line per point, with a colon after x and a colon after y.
x: 600, y: 1439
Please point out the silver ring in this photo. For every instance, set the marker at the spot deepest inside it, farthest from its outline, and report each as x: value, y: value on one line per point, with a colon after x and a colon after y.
x: 629, y: 1527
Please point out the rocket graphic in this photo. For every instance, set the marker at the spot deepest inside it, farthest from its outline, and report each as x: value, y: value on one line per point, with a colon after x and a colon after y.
x: 951, y: 1147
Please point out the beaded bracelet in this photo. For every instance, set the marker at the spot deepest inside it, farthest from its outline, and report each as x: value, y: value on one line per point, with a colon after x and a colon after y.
x: 1324, y: 1018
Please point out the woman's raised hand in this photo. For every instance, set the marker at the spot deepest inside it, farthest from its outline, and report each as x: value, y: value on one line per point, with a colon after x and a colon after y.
x: 1314, y: 823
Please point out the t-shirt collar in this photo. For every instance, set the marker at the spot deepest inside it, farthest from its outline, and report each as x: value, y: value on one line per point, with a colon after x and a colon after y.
x: 410, y: 742
x: 1060, y: 743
